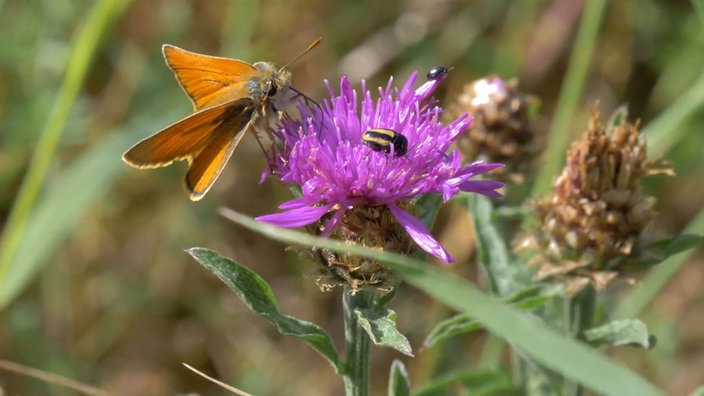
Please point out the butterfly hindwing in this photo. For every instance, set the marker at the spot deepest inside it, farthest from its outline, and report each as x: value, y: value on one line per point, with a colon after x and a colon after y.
x: 179, y: 141
x: 207, y: 165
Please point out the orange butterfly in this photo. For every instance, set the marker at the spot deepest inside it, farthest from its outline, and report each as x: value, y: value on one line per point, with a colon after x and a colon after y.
x: 229, y: 96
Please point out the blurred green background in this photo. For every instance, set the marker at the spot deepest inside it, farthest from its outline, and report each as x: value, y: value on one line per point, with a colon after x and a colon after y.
x: 96, y: 286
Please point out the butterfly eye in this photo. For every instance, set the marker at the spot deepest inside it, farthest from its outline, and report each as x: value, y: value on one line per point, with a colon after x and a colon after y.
x: 271, y: 91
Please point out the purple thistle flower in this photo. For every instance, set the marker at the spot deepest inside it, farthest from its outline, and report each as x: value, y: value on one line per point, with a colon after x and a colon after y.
x: 323, y: 152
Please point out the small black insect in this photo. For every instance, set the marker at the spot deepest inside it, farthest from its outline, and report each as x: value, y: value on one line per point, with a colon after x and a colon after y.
x: 381, y: 139
x: 437, y: 72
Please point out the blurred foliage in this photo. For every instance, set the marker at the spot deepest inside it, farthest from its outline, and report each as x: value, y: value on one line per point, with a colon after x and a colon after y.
x: 119, y: 305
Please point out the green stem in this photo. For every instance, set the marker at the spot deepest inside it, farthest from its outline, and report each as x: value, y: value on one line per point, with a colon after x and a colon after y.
x: 582, y: 308
x: 357, y: 342
x: 665, y: 131
x: 571, y: 90
x: 580, y: 317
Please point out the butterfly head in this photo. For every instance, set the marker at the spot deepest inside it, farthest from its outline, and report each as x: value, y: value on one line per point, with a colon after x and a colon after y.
x: 271, y: 84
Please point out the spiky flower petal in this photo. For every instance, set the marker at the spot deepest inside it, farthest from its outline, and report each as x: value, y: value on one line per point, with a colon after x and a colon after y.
x: 342, y: 180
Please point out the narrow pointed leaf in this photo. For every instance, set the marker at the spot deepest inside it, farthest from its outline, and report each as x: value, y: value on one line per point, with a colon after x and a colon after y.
x: 662, y: 249
x: 534, y: 296
x: 399, y: 384
x: 456, y: 325
x: 650, y: 286
x: 258, y: 297
x: 496, y: 262
x: 526, y: 299
x: 618, y: 117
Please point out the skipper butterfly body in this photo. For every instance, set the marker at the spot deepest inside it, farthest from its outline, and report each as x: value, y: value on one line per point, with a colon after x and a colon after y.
x: 229, y: 98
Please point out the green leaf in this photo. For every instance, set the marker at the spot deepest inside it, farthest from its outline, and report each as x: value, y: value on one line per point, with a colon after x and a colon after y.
x: 534, y: 296
x: 664, y: 248
x: 527, y: 299
x: 534, y: 338
x: 496, y: 261
x: 399, y: 384
x: 618, y: 117
x: 429, y: 206
x: 258, y: 297
x: 381, y: 328
x: 385, y: 299
x: 698, y: 392
x: 456, y: 325
x: 479, y: 382
x: 621, y: 332
x: 639, y: 298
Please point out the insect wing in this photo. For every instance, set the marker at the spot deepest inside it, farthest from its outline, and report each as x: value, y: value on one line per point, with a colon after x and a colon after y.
x: 209, y: 80
x: 207, y: 165
x: 179, y: 141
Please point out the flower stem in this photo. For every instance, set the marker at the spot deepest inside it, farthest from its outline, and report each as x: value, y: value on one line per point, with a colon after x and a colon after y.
x: 581, y: 309
x: 357, y: 342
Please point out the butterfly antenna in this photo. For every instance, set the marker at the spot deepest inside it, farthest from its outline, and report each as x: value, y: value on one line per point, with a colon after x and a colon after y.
x: 307, y: 100
x: 306, y: 97
x: 310, y: 47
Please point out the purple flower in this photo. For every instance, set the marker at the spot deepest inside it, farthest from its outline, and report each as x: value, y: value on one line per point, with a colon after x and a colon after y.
x: 323, y: 152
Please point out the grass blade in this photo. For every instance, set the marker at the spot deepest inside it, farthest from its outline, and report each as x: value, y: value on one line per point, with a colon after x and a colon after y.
x: 57, y: 213
x: 574, y: 360
x: 97, y: 22
x: 576, y: 76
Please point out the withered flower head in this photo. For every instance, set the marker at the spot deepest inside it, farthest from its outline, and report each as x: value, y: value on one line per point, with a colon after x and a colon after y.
x: 597, y: 223
x: 502, y: 129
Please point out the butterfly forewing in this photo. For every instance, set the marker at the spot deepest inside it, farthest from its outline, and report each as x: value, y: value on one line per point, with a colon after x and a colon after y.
x: 207, y: 165
x: 209, y: 80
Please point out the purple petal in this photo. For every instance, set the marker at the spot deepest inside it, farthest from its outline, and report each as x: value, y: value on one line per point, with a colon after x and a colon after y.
x: 265, y: 173
x: 409, y: 83
x: 296, y: 217
x: 427, y: 88
x: 332, y: 222
x: 295, y: 203
x: 478, y: 167
x: 420, y: 234
x: 460, y: 125
x: 486, y: 187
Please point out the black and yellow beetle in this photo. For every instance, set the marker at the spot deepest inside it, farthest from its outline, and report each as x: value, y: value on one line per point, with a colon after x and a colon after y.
x: 381, y: 139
